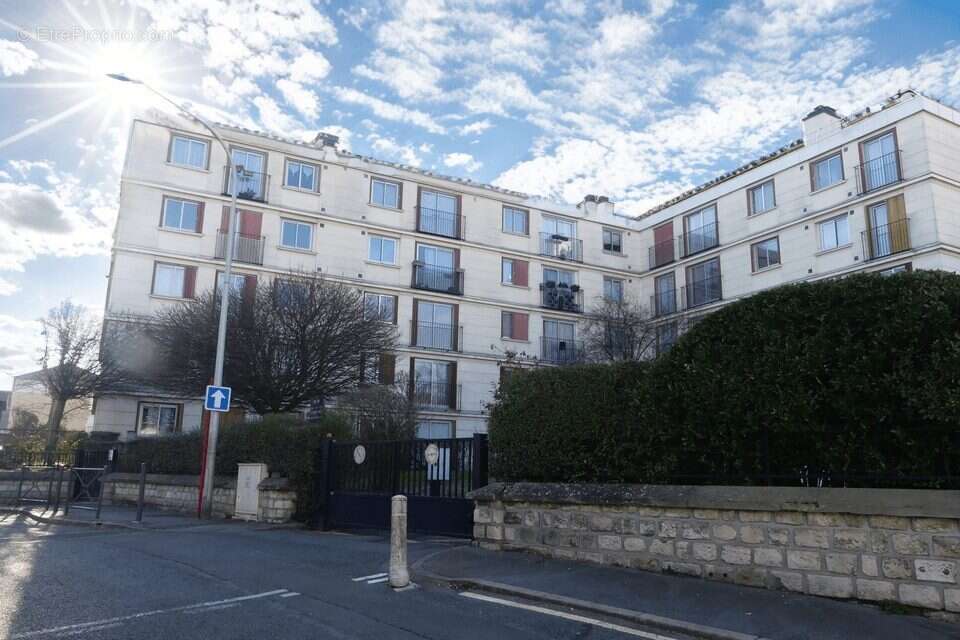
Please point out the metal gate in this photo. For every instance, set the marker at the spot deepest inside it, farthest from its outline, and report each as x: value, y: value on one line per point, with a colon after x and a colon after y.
x: 357, y: 479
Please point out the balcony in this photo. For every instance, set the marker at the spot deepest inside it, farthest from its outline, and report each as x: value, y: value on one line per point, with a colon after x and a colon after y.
x: 440, y: 223
x: 663, y: 303
x: 561, y: 297
x: 246, y: 248
x: 699, y: 239
x: 432, y: 335
x: 701, y: 292
x: 560, y: 350
x: 434, y: 278
x: 662, y: 253
x: 886, y: 240
x: 436, y: 396
x: 879, y: 172
x: 562, y: 247
x: 251, y: 185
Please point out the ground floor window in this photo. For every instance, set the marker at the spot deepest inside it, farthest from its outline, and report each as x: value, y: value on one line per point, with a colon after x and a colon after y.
x: 434, y: 429
x: 157, y: 419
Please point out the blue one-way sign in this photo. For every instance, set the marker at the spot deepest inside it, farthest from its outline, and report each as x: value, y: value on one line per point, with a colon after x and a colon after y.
x: 217, y: 399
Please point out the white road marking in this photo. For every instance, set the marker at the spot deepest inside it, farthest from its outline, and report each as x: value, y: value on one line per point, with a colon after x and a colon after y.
x: 291, y: 594
x: 77, y: 632
x: 567, y: 616
x: 145, y: 614
x: 194, y: 612
x: 377, y: 581
x: 373, y: 575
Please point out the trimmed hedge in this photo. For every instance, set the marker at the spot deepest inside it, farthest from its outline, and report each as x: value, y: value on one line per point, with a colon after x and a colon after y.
x: 287, y: 446
x: 854, y: 381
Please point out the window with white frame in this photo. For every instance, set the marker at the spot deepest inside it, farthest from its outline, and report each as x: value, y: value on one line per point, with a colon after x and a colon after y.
x: 380, y: 306
x: 383, y: 250
x: 385, y: 193
x: 301, y: 175
x: 761, y: 197
x: 612, y: 241
x: 296, y: 235
x: 834, y: 233
x: 827, y: 172
x: 237, y: 281
x: 516, y: 221
x: 434, y: 429
x: 766, y: 253
x: 613, y: 289
x: 188, y: 152
x: 506, y: 271
x: 168, y: 280
x: 181, y: 215
x: 157, y: 419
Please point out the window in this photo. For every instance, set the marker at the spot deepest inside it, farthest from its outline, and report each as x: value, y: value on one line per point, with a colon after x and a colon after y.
x: 666, y: 337
x: 434, y: 429
x: 296, y: 235
x: 173, y: 281
x: 834, y: 233
x: 434, y: 383
x: 301, y: 175
x: 700, y: 229
x: 188, y: 152
x: 612, y: 241
x: 826, y: 172
x: 761, y: 198
x: 237, y: 282
x: 383, y: 250
x: 381, y: 307
x: 438, y: 213
x: 703, y: 283
x: 514, y: 326
x: 435, y: 327
x: 515, y: 272
x: 287, y: 292
x: 385, y: 194
x: 766, y: 254
x: 516, y: 221
x: 182, y: 215
x: 558, y: 341
x: 665, y: 298
x: 157, y: 419
x: 251, y: 183
x: 900, y: 268
x: 613, y: 289
x: 378, y: 369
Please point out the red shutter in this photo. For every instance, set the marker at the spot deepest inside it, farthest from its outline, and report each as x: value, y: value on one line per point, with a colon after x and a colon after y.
x: 413, y: 324
x: 521, y: 271
x: 456, y: 327
x: 249, y: 290
x: 521, y: 322
x: 452, y: 381
x: 387, y: 369
x: 225, y: 219
x: 413, y: 378
x: 189, y: 282
x: 663, y: 242
x: 200, y: 209
x: 251, y: 223
x: 458, y: 230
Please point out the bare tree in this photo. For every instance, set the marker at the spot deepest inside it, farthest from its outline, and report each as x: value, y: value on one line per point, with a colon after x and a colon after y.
x: 619, y: 330
x: 381, y: 411
x: 73, y: 366
x: 297, y: 339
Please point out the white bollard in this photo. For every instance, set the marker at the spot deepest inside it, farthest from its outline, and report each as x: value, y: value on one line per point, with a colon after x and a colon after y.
x: 399, y: 576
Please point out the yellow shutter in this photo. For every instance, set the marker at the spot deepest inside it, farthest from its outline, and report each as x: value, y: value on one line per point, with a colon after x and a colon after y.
x: 897, y: 219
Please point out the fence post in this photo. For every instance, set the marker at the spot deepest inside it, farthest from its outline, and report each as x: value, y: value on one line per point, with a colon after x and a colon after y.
x: 59, y: 475
x: 143, y: 489
x: 70, y: 488
x: 51, y: 474
x: 106, y: 468
x: 23, y: 474
x: 399, y: 575
x: 479, y: 473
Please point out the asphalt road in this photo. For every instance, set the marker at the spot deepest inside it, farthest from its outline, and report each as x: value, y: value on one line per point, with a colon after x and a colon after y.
x: 234, y: 580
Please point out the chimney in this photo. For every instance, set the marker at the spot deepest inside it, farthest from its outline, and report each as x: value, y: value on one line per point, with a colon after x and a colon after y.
x: 589, y: 205
x: 604, y: 206
x: 819, y: 124
x: 326, y: 140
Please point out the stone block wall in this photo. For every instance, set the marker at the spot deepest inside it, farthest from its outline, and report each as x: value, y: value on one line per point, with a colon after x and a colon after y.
x: 36, y: 484
x: 170, y: 492
x: 873, y: 545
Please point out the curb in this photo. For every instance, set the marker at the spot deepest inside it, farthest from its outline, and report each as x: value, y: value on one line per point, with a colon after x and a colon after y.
x: 628, y: 615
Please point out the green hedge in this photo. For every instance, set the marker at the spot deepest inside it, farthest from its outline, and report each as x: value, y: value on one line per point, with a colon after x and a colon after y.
x: 287, y: 446
x: 855, y: 381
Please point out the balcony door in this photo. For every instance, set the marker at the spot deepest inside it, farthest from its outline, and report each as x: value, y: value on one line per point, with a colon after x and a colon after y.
x: 558, y: 340
x: 431, y: 383
x: 251, y: 182
x: 701, y: 230
x: 880, y: 230
x: 439, y: 268
x: 438, y: 213
x: 880, y: 161
x: 434, y: 325
x: 565, y: 229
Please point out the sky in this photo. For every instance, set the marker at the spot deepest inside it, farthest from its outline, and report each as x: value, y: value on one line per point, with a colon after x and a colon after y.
x: 638, y: 101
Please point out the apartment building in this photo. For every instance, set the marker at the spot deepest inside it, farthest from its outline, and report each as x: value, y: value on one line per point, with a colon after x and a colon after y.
x: 472, y: 276
x: 874, y: 191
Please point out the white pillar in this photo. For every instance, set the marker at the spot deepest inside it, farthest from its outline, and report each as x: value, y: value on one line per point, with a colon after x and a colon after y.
x: 399, y: 576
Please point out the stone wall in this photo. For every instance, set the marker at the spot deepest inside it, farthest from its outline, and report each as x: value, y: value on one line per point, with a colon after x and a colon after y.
x: 869, y: 544
x: 37, y: 484
x: 180, y: 493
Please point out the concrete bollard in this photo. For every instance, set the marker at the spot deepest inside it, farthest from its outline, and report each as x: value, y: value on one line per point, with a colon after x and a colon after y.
x: 399, y: 576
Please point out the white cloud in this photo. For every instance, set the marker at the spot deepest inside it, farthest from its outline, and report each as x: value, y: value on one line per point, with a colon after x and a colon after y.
x: 309, y: 66
x: 20, y: 344
x: 7, y: 287
x: 500, y: 94
x: 16, y: 59
x: 475, y: 128
x: 389, y: 110
x: 623, y: 33
x: 464, y: 161
x: 300, y: 98
x: 412, y: 77
x: 389, y: 149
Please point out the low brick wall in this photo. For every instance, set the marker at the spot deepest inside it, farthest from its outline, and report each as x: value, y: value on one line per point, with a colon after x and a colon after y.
x: 871, y: 544
x: 35, y: 484
x: 180, y: 493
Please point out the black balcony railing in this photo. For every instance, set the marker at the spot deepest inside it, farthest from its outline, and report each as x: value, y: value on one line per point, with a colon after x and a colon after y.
x: 561, y: 297
x: 251, y: 185
x: 663, y: 252
x: 699, y: 239
x: 562, y: 247
x: 886, y: 240
x: 433, y: 278
x: 438, y: 396
x: 700, y: 292
x: 560, y: 350
x: 879, y: 172
x: 440, y: 223
x: 246, y: 248
x: 433, y: 335
x: 664, y: 303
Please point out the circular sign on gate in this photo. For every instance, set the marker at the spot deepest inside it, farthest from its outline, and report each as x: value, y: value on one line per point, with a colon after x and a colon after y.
x: 359, y: 454
x: 432, y: 454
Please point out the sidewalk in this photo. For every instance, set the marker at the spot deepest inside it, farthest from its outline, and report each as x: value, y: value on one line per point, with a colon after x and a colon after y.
x: 732, y: 608
x: 111, y: 516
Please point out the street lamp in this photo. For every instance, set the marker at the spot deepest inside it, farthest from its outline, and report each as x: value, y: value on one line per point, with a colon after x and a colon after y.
x: 206, y: 486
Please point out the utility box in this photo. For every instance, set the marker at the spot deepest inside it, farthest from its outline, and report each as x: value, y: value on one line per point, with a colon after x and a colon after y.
x: 249, y: 475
